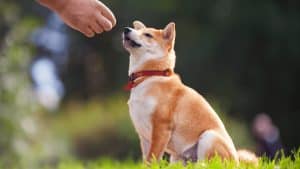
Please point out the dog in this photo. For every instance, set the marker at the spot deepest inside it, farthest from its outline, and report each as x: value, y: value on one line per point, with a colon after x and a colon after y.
x: 168, y: 115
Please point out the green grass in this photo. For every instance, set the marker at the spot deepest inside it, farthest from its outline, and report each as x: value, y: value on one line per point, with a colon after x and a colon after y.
x: 285, y: 162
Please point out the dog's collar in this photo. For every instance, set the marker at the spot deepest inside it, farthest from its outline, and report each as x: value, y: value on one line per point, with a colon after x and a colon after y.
x: 131, y: 80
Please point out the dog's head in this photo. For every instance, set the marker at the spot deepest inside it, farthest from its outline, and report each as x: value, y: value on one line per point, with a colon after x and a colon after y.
x: 141, y: 40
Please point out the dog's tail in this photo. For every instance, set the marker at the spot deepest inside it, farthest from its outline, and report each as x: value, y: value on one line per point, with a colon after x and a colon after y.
x: 247, y: 156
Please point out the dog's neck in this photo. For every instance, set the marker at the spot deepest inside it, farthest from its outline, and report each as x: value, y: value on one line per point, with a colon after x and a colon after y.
x: 150, y: 62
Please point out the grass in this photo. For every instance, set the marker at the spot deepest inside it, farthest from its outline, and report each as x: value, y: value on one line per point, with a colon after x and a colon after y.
x: 285, y: 162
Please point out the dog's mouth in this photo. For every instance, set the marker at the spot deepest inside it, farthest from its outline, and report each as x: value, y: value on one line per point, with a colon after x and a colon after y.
x: 127, y: 41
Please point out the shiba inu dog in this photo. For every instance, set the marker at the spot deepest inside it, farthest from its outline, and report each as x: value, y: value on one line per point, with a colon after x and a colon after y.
x: 167, y: 115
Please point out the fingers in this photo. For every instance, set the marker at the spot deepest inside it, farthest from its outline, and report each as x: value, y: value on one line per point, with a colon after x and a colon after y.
x: 89, y: 32
x: 96, y: 27
x: 106, y: 12
x: 100, y: 24
x: 104, y: 22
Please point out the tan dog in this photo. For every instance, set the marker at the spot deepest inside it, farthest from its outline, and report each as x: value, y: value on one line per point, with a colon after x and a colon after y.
x: 167, y: 115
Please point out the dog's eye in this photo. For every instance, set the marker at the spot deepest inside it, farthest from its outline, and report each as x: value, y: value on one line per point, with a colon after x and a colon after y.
x: 148, y: 35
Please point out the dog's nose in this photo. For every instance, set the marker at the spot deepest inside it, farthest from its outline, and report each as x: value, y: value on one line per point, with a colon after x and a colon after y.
x: 127, y: 30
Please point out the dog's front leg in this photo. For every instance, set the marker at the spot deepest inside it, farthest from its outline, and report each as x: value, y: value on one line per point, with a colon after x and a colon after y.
x: 145, y: 145
x: 161, y: 133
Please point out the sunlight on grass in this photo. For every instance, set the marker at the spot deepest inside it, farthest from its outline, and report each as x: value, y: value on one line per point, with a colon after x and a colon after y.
x: 286, y: 162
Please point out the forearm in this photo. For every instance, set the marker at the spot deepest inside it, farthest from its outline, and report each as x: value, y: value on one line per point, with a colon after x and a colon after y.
x: 53, y: 4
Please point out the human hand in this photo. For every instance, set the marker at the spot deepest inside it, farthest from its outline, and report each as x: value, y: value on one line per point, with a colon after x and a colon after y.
x: 86, y: 16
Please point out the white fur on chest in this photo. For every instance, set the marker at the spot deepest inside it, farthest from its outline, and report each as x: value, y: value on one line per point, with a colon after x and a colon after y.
x: 141, y: 108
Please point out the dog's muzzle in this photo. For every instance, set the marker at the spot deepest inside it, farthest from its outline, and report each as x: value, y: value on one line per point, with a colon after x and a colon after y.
x: 127, y: 39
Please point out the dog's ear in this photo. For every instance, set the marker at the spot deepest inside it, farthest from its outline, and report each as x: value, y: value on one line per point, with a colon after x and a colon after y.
x: 138, y: 25
x: 169, y: 33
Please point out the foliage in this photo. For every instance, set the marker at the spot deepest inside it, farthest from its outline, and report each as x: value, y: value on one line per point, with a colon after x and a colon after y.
x: 286, y: 162
x: 96, y: 128
x: 16, y: 97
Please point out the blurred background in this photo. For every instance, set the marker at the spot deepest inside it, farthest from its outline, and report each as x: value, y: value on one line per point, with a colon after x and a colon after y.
x: 61, y: 93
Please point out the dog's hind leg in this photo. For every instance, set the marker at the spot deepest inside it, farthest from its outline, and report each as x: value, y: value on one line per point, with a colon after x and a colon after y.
x: 212, y: 143
x: 174, y: 159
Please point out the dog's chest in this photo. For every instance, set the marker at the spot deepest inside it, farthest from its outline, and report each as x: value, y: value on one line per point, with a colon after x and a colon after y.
x: 141, y: 108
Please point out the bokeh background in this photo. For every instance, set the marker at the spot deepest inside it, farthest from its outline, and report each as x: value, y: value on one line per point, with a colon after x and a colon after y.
x: 61, y: 93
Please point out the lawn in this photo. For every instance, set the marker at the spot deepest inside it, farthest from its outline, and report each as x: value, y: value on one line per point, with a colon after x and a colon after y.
x: 285, y: 162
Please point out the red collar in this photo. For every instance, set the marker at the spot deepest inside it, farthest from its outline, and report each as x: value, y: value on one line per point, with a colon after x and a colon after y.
x: 131, y: 80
